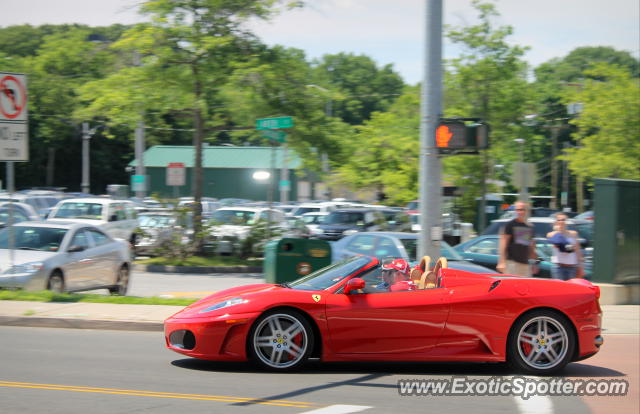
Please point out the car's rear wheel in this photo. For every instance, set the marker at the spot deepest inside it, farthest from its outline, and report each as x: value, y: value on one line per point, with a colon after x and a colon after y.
x: 122, y: 283
x: 542, y: 342
x: 56, y: 282
x: 281, y: 340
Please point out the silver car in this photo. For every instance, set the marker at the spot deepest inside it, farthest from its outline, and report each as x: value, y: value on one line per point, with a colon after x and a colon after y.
x: 62, y: 256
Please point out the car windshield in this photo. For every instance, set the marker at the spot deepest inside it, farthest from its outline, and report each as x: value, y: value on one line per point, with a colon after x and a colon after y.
x: 301, y: 210
x: 155, y: 221
x: 46, y: 239
x: 344, y: 217
x: 79, y: 210
x: 330, y: 275
x: 312, y: 219
x: 411, y: 246
x: 237, y: 217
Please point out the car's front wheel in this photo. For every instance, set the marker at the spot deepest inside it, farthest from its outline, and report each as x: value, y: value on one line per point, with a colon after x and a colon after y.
x: 56, y: 282
x: 122, y: 283
x: 542, y: 342
x: 281, y: 340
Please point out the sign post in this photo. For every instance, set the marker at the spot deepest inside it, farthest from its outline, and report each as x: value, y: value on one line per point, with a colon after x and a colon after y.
x: 176, y: 176
x: 14, y: 137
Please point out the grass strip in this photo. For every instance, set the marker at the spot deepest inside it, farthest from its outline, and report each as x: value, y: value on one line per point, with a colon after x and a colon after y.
x: 47, y: 296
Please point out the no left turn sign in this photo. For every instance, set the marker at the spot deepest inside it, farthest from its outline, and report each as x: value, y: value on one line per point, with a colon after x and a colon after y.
x: 13, y: 98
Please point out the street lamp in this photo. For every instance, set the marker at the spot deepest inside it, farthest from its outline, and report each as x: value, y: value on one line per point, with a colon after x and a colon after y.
x: 328, y: 111
x: 524, y: 193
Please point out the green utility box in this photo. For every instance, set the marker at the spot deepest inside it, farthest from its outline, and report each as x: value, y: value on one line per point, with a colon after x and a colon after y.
x: 616, y: 246
x: 289, y: 259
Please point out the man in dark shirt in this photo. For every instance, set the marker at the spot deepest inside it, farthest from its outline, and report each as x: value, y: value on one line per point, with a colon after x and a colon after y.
x: 517, y: 247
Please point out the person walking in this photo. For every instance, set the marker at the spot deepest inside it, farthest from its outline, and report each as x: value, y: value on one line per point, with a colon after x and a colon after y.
x: 517, y: 248
x: 567, y: 255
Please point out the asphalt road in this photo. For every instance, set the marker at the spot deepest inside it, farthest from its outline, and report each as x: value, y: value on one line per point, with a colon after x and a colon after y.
x: 45, y: 370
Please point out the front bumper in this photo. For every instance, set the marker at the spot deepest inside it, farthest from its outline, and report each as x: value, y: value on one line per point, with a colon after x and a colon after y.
x: 219, y: 338
x: 26, y: 281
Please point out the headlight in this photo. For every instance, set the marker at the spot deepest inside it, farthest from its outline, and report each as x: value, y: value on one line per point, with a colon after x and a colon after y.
x: 25, y: 268
x: 317, y: 231
x: 225, y: 304
x: 349, y: 232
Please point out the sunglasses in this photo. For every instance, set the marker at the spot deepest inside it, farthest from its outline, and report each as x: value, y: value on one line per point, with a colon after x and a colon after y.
x: 520, y: 209
x: 561, y: 220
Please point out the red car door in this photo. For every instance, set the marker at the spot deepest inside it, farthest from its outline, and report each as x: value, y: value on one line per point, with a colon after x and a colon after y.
x: 392, y: 322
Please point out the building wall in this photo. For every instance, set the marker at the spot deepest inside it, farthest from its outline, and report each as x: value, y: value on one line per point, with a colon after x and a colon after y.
x: 220, y: 183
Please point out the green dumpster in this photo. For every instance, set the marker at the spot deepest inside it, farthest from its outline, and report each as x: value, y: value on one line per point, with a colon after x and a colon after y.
x: 616, y: 231
x: 289, y: 259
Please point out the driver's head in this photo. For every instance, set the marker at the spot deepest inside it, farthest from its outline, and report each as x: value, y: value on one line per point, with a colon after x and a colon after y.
x: 395, y: 271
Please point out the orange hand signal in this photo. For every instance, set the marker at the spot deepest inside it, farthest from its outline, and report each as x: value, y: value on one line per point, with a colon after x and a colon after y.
x: 443, y: 136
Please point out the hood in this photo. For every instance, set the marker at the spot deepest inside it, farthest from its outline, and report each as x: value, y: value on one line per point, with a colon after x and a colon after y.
x: 469, y: 267
x: 230, y: 230
x: 21, y: 257
x: 248, y: 292
x: 77, y: 220
x: 338, y: 227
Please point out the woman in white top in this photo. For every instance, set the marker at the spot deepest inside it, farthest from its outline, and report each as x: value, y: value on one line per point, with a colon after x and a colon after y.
x: 567, y: 256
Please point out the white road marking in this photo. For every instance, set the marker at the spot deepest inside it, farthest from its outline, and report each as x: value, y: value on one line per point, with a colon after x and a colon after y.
x: 537, y: 404
x: 340, y: 409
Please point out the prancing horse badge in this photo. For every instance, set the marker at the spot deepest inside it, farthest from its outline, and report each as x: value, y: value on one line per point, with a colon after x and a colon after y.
x: 316, y: 297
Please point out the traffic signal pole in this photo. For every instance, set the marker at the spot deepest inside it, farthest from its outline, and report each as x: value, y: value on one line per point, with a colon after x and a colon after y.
x: 430, y: 111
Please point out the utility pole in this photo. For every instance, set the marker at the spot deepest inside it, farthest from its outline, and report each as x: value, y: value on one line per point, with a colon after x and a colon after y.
x: 86, y: 136
x: 139, y: 143
x: 430, y: 111
x: 284, y: 177
x: 554, y: 167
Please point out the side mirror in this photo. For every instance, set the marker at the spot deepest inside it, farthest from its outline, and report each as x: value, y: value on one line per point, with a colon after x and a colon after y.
x: 75, y: 248
x: 113, y: 217
x: 354, y: 284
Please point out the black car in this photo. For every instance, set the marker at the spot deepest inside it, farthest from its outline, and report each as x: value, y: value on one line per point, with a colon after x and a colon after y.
x: 343, y: 222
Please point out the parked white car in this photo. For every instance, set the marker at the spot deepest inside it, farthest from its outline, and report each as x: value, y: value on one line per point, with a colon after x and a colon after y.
x: 313, y: 219
x: 231, y: 224
x: 115, y: 217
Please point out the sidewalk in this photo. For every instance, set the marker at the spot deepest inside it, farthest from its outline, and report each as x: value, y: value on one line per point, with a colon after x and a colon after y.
x: 617, y: 319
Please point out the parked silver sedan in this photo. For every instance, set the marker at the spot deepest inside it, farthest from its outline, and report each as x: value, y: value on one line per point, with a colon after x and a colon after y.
x: 62, y: 256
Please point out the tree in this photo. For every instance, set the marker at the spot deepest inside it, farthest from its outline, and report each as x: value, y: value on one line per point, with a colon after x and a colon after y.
x: 607, y: 137
x: 364, y: 88
x: 187, y: 50
x: 487, y: 81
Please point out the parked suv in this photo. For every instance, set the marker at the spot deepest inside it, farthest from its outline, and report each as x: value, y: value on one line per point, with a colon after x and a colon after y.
x: 115, y: 217
x: 343, y: 222
x: 231, y: 225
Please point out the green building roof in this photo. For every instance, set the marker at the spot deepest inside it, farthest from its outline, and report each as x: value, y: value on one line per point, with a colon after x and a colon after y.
x: 218, y: 157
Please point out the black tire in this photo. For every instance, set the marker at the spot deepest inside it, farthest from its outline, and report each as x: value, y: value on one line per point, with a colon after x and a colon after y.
x: 541, y: 342
x: 279, y: 334
x: 122, y: 283
x: 56, y: 282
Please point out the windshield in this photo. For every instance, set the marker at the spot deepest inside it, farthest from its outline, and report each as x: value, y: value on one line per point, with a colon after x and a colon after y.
x: 155, y: 221
x: 330, y: 275
x: 344, y: 217
x: 80, y: 210
x: 301, y: 210
x: 46, y: 239
x: 411, y: 247
x: 236, y: 217
x: 313, y: 219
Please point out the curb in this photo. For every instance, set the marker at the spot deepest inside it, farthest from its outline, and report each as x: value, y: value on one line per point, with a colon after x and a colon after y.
x: 196, y: 269
x: 43, y: 322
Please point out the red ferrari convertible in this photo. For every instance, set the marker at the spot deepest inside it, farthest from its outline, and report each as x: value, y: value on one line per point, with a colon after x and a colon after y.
x: 345, y: 313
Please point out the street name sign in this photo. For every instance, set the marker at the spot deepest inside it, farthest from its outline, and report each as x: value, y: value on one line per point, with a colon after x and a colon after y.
x: 274, y: 123
x: 14, y: 135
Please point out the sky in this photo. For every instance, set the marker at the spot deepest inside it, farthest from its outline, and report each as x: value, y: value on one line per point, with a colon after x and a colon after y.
x: 388, y: 31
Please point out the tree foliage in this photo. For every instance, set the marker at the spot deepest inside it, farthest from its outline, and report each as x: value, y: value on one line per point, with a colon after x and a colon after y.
x: 608, y: 128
